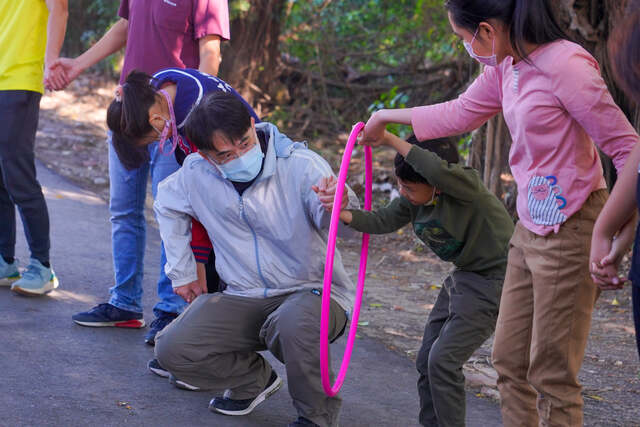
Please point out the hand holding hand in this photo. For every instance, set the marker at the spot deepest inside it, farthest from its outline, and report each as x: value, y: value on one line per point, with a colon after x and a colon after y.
x: 326, y: 190
x: 603, y: 264
x: 54, y: 77
x: 67, y: 67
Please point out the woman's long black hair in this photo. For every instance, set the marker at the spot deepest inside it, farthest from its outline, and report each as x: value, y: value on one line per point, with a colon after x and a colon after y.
x: 128, y: 119
x: 529, y: 21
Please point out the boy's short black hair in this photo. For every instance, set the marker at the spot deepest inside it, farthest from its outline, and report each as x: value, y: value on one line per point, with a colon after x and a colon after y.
x: 445, y: 148
x: 217, y: 112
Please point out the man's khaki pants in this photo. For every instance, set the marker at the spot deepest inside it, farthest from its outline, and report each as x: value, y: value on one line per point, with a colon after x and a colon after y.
x: 214, y: 345
x: 544, y: 320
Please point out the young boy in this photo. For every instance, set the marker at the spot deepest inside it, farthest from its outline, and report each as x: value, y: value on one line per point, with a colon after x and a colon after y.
x: 462, y: 222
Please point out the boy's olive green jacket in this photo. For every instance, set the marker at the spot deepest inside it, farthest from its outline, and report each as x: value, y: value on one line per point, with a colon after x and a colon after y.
x: 466, y: 225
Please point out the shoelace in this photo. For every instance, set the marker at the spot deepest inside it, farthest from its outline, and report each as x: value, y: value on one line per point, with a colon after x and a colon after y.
x: 31, y: 273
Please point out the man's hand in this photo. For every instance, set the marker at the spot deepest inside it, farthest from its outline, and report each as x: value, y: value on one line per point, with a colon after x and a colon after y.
x: 326, y: 191
x: 67, y: 67
x: 196, y: 288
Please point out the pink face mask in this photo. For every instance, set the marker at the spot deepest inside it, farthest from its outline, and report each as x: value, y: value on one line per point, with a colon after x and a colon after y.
x: 169, y: 126
x: 491, y: 61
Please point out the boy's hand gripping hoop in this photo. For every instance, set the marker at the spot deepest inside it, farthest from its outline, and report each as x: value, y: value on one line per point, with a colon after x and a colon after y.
x: 328, y: 269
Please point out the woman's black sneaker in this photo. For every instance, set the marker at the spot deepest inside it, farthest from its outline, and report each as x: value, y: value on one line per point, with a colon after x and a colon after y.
x: 227, y: 406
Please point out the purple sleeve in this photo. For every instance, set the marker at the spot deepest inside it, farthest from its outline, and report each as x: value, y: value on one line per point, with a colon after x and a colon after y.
x: 481, y: 101
x: 580, y: 88
x: 123, y: 11
x: 211, y: 17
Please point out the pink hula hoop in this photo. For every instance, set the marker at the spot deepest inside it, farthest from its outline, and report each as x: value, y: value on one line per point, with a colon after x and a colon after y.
x: 328, y: 269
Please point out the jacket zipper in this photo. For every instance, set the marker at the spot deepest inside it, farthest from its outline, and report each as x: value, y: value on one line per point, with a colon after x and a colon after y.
x: 255, y: 243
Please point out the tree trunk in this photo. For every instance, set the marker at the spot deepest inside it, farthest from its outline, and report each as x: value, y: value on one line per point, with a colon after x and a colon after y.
x: 590, y: 23
x: 251, y: 58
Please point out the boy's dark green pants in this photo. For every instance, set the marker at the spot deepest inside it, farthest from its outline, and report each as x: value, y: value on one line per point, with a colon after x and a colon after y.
x: 463, y: 317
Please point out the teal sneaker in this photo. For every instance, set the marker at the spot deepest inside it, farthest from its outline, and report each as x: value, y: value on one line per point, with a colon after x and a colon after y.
x: 8, y: 272
x: 36, y: 280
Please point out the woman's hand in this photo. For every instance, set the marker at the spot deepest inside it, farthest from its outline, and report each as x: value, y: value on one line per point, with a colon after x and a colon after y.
x: 373, y: 132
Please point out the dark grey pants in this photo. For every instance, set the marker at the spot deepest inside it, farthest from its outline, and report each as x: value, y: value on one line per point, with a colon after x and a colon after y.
x: 19, y: 111
x: 463, y: 317
x: 214, y: 345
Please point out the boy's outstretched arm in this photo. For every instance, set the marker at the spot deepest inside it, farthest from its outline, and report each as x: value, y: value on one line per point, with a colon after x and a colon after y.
x: 452, y: 178
x: 386, y: 220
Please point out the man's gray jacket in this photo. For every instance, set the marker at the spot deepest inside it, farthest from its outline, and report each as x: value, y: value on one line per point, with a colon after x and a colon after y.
x: 271, y: 240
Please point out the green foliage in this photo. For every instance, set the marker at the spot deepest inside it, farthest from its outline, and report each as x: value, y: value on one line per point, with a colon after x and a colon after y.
x: 389, y: 100
x: 369, y: 54
x: 88, y: 21
x: 389, y: 32
x: 238, y: 8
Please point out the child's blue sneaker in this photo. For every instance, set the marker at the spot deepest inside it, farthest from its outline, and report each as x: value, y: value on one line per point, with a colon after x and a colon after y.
x: 8, y: 272
x: 36, y: 280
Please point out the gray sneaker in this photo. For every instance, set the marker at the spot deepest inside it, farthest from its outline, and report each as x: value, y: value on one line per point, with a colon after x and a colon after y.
x: 36, y: 280
x: 8, y: 272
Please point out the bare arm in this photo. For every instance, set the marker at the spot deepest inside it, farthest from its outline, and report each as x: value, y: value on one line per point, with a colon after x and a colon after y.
x: 617, y: 218
x: 56, y: 29
x: 113, y: 40
x: 210, y: 54
x: 621, y: 204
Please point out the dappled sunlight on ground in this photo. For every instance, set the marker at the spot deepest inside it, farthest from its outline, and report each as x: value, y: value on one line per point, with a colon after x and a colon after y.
x: 68, y: 296
x: 73, y: 195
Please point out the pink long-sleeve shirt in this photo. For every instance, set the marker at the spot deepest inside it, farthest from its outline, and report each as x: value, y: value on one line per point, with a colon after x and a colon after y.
x: 555, y: 108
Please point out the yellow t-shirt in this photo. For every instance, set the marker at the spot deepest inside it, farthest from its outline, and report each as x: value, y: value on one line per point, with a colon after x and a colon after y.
x: 23, y: 39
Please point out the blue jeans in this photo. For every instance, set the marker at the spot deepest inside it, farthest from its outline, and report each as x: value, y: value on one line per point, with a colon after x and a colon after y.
x: 128, y: 189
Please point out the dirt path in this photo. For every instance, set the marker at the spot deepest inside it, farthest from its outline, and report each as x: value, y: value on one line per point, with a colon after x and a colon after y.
x: 403, y: 277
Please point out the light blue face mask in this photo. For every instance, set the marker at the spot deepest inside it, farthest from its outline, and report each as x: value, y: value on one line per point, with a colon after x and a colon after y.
x: 244, y: 168
x: 491, y: 60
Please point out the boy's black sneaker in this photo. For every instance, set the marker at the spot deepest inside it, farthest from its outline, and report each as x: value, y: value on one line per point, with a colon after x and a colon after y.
x: 109, y: 315
x: 302, y: 421
x: 227, y: 406
x: 154, y: 366
x: 158, y: 324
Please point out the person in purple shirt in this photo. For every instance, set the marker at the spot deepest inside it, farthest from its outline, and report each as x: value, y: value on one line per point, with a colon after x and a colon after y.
x: 157, y: 34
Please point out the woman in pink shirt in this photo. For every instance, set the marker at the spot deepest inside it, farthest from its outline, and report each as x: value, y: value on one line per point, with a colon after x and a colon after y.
x: 556, y: 106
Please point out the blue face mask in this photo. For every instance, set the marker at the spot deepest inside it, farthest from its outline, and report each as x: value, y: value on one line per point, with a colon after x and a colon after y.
x: 244, y: 168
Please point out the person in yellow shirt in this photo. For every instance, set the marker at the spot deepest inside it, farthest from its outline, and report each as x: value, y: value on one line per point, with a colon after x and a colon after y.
x: 31, y: 35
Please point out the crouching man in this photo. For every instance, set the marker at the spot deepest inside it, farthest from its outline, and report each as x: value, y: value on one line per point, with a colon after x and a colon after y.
x: 261, y: 211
